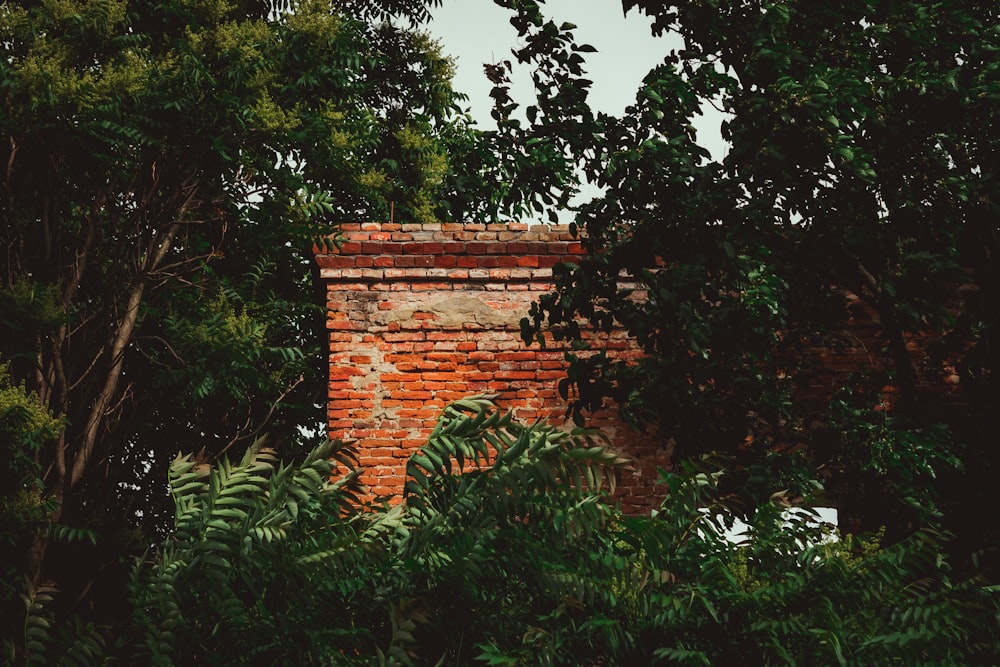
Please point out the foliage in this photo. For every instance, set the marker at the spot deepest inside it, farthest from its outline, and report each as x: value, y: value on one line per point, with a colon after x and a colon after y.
x: 25, y: 426
x: 506, y: 552
x: 790, y: 591
x: 857, y: 180
x: 892, y: 461
x: 235, y: 567
x: 242, y: 560
x: 167, y: 168
x: 166, y: 164
x: 505, y: 540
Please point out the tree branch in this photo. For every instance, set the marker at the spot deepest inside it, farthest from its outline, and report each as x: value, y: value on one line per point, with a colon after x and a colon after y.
x: 267, y: 418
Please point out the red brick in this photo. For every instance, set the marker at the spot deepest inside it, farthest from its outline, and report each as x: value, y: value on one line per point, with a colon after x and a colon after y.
x: 446, y: 336
x: 530, y: 261
x: 445, y: 262
x: 341, y: 325
x: 441, y: 375
x: 344, y: 372
x: 334, y: 261
x: 548, y: 261
x: 516, y: 356
x: 394, y: 377
x: 445, y: 357
x: 427, y: 361
x: 404, y: 336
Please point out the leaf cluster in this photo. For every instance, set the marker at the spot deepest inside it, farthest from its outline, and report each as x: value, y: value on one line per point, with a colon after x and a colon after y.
x: 507, y: 552
x: 167, y: 168
x: 856, y: 185
x: 25, y: 427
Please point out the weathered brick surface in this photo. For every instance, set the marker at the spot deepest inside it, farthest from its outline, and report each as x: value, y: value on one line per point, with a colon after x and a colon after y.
x: 422, y: 315
x: 859, y: 347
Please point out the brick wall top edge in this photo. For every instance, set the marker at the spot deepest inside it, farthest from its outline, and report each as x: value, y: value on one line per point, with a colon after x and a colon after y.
x: 451, y: 277
x: 452, y: 247
x: 439, y: 226
x: 395, y: 233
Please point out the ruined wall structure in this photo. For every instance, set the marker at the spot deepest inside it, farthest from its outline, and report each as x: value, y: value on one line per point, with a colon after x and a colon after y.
x: 420, y: 315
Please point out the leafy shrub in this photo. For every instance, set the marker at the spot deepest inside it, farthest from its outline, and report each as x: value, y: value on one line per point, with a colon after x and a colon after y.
x: 788, y: 594
x: 24, y: 426
x: 240, y: 563
x: 505, y: 551
x: 507, y: 545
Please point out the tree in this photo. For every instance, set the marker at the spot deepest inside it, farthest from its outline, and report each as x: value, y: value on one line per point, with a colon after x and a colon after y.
x: 24, y: 426
x: 861, y: 161
x: 167, y: 166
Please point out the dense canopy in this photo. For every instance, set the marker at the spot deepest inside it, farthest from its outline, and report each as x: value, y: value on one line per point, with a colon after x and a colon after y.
x: 167, y: 166
x: 861, y: 170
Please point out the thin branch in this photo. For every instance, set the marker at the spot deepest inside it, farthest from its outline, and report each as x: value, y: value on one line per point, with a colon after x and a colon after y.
x: 126, y: 393
x: 79, y: 264
x: 98, y: 409
x: 10, y: 161
x: 166, y: 345
x: 83, y: 376
x: 871, y: 282
x: 166, y: 269
x: 267, y: 418
x: 80, y: 325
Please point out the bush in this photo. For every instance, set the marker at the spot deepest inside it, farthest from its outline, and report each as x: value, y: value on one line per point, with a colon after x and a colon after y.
x: 506, y: 551
x: 794, y: 592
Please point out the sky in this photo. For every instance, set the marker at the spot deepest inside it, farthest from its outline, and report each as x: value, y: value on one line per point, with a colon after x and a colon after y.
x: 474, y: 32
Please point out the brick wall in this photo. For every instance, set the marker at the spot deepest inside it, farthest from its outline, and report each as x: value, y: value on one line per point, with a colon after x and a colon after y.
x: 858, y: 346
x: 422, y: 315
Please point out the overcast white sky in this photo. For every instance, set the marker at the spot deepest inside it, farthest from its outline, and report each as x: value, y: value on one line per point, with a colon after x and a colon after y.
x: 475, y: 32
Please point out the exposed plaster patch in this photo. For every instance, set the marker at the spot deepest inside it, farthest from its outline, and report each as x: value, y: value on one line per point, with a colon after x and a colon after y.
x: 457, y: 311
